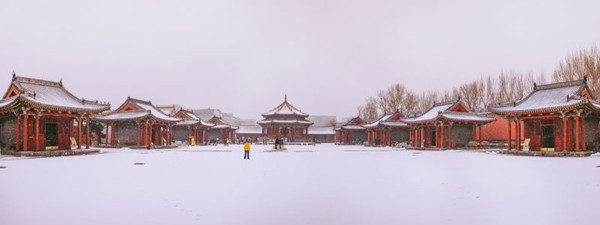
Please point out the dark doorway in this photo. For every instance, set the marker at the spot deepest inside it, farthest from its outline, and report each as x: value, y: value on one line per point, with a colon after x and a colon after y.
x: 284, y: 132
x: 51, y: 134
x: 547, y: 136
x: 433, y: 138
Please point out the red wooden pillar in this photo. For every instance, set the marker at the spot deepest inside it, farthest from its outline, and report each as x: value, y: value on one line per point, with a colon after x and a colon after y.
x: 18, y: 142
x: 517, y: 134
x: 583, y: 134
x: 37, y: 131
x: 138, y: 134
x: 145, y: 134
x: 450, y: 135
x: 25, y: 134
x: 87, y: 131
x: 79, y: 132
x: 112, y: 134
x: 479, y: 133
x: 509, y: 135
x: 565, y: 148
x: 577, y: 125
x: 438, y: 136
x: 106, y: 138
x: 442, y: 135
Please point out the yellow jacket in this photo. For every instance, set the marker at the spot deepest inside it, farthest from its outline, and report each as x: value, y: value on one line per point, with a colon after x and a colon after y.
x: 247, y: 146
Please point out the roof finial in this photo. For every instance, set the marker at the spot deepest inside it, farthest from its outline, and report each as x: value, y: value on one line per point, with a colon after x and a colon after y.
x: 60, y: 82
x: 14, y: 75
x: 534, y: 86
x: 285, y: 98
x: 585, y: 79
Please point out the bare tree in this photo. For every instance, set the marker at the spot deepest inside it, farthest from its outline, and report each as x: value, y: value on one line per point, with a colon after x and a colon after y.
x: 584, y: 62
x: 369, y: 111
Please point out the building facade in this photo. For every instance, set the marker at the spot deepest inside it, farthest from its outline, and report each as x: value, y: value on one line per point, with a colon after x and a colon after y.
x: 554, y: 117
x: 285, y: 121
x: 42, y: 115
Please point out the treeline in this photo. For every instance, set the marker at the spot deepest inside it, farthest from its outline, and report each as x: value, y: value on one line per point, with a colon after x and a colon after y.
x: 487, y: 90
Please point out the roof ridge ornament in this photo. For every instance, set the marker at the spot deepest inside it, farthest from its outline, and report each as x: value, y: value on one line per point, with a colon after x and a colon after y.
x: 14, y: 75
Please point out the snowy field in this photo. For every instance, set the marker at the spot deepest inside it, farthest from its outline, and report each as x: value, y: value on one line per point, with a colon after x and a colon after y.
x: 323, y: 184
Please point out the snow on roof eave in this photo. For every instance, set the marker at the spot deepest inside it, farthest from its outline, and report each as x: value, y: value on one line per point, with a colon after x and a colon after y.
x: 581, y: 83
x: 107, y: 117
x: 480, y: 120
x: 29, y: 100
x: 539, y: 110
x: 441, y: 116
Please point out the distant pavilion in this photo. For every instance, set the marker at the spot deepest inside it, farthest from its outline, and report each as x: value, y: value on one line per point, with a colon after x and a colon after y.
x: 285, y: 121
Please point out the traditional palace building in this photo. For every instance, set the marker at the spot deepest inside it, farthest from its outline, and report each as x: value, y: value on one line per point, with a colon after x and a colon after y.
x: 554, y: 117
x: 352, y: 132
x: 387, y: 130
x: 38, y: 115
x: 446, y: 125
x: 285, y: 121
x: 191, y: 128
x: 138, y: 123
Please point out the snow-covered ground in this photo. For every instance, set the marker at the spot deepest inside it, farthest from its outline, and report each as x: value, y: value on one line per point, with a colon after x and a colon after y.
x: 323, y: 184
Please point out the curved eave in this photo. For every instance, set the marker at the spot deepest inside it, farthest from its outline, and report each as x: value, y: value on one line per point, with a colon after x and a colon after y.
x: 437, y: 118
x: 104, y: 119
x: 296, y: 122
x: 24, y: 100
x: 544, y: 110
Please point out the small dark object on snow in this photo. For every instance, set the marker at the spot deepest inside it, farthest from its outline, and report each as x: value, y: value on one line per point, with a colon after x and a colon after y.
x: 2, y: 167
x: 139, y: 164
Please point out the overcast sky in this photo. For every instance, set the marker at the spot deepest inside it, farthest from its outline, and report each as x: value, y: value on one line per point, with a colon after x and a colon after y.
x: 242, y: 56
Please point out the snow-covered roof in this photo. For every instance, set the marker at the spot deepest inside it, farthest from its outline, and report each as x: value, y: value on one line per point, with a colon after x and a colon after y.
x: 122, y: 116
x: 147, y: 105
x: 285, y: 108
x: 550, y: 97
x: 221, y: 124
x: 142, y: 107
x: 432, y: 113
x: 170, y: 109
x: 291, y: 121
x: 191, y: 122
x: 321, y: 130
x: 389, y: 120
x: 49, y: 95
x: 353, y: 124
x: 449, y: 111
x: 466, y: 116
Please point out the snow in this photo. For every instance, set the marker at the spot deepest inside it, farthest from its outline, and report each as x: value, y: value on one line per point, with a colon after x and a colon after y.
x: 467, y: 116
x: 156, y: 112
x: 323, y: 184
x: 430, y: 114
x: 57, y: 96
x: 544, y: 99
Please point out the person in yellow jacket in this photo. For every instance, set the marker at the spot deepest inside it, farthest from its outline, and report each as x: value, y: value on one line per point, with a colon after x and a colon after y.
x: 247, y: 149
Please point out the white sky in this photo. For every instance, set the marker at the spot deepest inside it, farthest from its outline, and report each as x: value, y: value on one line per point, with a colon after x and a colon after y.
x: 243, y: 56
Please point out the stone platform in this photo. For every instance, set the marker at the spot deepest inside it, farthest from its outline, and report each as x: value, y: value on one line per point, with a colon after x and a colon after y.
x: 50, y: 153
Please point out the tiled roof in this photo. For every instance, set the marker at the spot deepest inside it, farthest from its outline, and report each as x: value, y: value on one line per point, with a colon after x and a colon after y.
x: 50, y: 95
x: 547, y: 98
